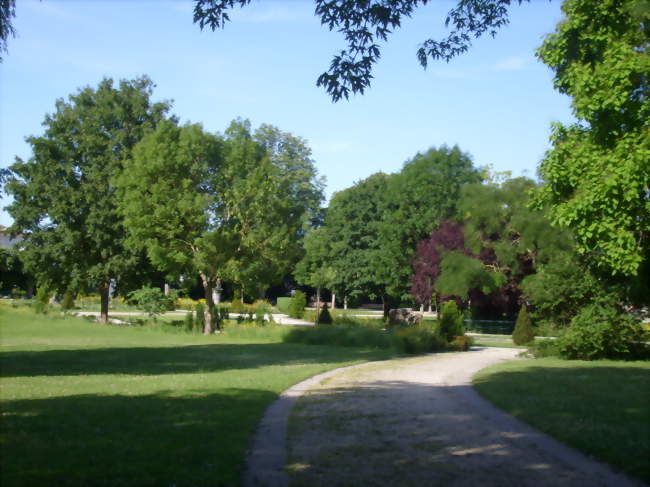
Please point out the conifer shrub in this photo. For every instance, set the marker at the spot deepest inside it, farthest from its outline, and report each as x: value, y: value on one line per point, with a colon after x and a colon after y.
x: 42, y: 298
x: 188, y: 322
x: 451, y: 321
x: 199, y: 318
x: 523, y: 332
x: 68, y: 301
x: 297, y: 305
x: 324, y: 317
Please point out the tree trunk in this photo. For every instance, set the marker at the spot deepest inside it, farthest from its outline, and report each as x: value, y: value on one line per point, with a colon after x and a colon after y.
x: 241, y: 299
x: 437, y: 306
x: 345, y: 302
x: 208, y: 312
x: 385, y: 306
x: 103, y: 292
x: 421, y: 307
x: 429, y: 306
x: 167, y: 289
x: 317, y: 304
x: 333, y: 301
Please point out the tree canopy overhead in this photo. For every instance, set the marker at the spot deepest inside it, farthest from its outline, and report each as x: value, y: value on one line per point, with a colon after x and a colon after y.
x: 367, y: 23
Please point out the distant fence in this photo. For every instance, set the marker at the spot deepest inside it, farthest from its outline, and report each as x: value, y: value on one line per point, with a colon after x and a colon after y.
x: 497, y: 327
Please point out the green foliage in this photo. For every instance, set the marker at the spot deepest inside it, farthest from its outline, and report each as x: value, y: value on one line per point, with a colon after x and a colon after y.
x: 297, y: 306
x: 451, y: 321
x: 188, y: 321
x: 283, y: 305
x: 151, y: 300
x: 261, y: 309
x: 461, y: 273
x: 412, y: 340
x: 224, y: 207
x: 68, y: 301
x: 324, y: 317
x: 600, y: 331
x: 64, y: 199
x: 366, y: 25
x: 199, y: 318
x: 236, y: 306
x: 523, y: 332
x: 418, y: 339
x: 42, y: 299
x: 596, y: 175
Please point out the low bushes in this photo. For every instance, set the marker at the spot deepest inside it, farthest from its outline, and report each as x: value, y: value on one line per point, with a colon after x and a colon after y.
x: 411, y: 340
x: 297, y: 305
x: 598, y: 331
x: 523, y: 332
x: 283, y: 305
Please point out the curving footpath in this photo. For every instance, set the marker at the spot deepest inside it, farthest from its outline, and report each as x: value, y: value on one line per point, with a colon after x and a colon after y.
x: 410, y: 422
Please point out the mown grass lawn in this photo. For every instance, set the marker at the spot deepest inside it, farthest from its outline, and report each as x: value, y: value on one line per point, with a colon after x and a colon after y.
x: 601, y: 408
x: 89, y: 404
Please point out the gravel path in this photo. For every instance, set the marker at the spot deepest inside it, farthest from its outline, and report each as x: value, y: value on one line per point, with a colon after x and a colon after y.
x: 410, y: 422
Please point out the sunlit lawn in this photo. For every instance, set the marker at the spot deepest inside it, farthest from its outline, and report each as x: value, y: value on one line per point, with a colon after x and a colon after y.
x: 86, y: 404
x: 601, y: 408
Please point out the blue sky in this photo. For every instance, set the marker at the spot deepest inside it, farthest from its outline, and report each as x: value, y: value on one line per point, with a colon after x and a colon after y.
x: 496, y: 102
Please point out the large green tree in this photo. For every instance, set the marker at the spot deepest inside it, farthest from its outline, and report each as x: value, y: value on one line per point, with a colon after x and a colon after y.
x: 217, y: 206
x: 424, y: 192
x: 597, y: 175
x: 367, y: 23
x: 64, y: 201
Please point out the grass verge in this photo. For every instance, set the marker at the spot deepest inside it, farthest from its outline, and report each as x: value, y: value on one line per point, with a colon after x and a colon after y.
x: 601, y: 408
x: 90, y: 404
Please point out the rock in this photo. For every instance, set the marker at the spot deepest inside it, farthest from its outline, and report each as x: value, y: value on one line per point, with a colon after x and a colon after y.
x: 404, y: 317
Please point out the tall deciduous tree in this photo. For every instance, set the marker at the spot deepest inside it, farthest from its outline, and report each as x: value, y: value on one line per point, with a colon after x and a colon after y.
x: 315, y: 268
x: 64, y: 200
x: 220, y: 207
x: 596, y: 176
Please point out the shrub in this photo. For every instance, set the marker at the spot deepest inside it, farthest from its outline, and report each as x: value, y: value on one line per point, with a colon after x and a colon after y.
x: 187, y: 304
x: 236, y: 306
x: 188, y: 322
x: 151, y: 300
x: 523, y: 332
x: 283, y: 305
x: 451, y: 321
x: 262, y: 308
x: 418, y: 339
x: 297, y: 305
x: 68, y: 301
x: 41, y: 304
x: 199, y: 317
x: 17, y: 293
x: 324, y: 317
x: 223, y: 312
x: 462, y: 343
x: 601, y: 330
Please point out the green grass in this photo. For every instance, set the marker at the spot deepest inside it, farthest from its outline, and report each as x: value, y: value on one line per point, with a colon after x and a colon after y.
x: 601, y: 408
x: 90, y: 404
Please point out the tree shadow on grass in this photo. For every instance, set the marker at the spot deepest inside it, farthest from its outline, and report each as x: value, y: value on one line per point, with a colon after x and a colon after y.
x: 600, y: 409
x: 172, y: 360
x: 111, y: 440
